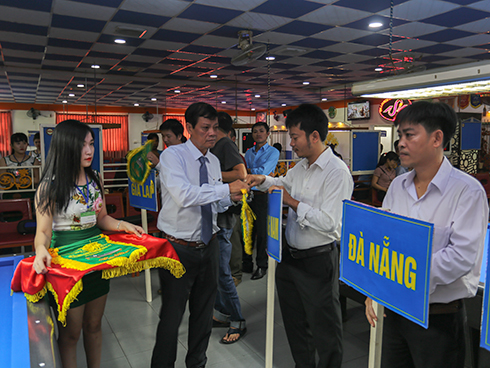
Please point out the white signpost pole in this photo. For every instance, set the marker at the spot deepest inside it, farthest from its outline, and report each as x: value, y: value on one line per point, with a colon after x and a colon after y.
x: 269, y: 334
x: 376, y: 338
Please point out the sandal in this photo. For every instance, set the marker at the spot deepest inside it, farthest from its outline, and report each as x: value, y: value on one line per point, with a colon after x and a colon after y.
x: 233, y: 331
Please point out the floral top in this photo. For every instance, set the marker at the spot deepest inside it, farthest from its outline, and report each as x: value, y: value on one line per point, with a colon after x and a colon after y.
x: 71, y: 218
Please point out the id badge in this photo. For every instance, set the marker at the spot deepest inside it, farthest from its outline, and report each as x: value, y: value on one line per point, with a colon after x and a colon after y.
x: 88, y: 218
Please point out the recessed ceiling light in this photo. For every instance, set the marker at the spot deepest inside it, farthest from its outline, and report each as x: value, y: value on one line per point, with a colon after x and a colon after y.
x: 120, y: 41
x: 223, y: 102
x: 378, y: 69
x: 324, y: 99
x: 136, y: 104
x: 64, y: 101
x: 95, y: 66
x: 153, y: 99
x: 177, y: 91
x: 71, y: 95
x: 213, y: 76
x: 80, y: 85
x: 253, y: 109
x: 257, y: 96
x: 306, y: 83
x: 283, y: 104
x: 270, y: 58
x: 375, y: 24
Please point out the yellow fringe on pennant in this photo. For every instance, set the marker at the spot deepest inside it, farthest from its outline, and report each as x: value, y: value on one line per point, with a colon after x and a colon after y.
x: 175, y: 267
x: 70, y: 298
x: 92, y: 247
x: 248, y: 218
x: 36, y: 297
x: 95, y: 247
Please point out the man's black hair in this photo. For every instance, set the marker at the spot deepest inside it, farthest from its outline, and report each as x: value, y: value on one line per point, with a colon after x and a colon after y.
x: 199, y: 109
x: 261, y: 124
x: 225, y: 122
x: 432, y: 116
x: 309, y: 118
x: 277, y: 146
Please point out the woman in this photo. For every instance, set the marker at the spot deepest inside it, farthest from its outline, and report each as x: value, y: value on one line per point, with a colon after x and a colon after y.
x: 154, y: 147
x: 22, y: 178
x: 70, y: 207
x: 384, y: 174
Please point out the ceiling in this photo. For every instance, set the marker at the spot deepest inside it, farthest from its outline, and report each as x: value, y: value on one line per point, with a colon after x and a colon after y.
x: 49, y: 46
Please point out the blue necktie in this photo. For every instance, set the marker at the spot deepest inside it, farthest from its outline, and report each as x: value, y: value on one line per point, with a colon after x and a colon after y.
x: 206, y: 212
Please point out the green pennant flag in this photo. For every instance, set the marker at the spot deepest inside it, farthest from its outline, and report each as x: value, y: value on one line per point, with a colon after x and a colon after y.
x: 138, y: 164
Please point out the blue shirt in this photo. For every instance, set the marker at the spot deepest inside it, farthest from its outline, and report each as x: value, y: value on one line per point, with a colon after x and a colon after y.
x: 263, y: 161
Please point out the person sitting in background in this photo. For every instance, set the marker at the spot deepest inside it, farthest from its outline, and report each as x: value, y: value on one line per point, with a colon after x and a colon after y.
x: 20, y: 158
x: 400, y: 169
x: 384, y: 174
x: 37, y: 142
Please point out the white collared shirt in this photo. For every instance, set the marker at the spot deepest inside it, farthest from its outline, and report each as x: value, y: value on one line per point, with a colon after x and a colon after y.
x: 320, y: 188
x: 457, y: 205
x: 182, y: 197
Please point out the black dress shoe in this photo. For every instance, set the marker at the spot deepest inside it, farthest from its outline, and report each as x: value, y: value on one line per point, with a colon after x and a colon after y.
x: 259, y: 273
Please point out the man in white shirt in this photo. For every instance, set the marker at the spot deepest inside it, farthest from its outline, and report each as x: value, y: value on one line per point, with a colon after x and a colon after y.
x: 456, y: 204
x: 192, y: 195
x: 307, y: 277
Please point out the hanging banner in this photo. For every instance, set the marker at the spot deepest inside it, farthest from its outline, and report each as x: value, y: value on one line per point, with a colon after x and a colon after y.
x: 378, y: 259
x: 274, y: 225
x: 463, y: 101
x: 475, y: 101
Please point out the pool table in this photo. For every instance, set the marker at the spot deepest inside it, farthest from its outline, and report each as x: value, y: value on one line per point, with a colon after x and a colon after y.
x: 27, y: 337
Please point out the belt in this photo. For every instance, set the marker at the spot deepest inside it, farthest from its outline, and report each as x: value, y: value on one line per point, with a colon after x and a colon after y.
x: 445, y: 308
x: 306, y: 253
x: 193, y: 244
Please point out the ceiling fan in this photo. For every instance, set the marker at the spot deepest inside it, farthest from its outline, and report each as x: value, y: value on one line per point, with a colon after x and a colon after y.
x: 250, y: 52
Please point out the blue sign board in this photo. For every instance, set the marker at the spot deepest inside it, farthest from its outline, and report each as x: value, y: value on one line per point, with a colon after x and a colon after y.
x: 387, y: 258
x: 274, y: 225
x: 471, y: 134
x: 144, y: 196
x: 365, y: 151
x: 485, y: 275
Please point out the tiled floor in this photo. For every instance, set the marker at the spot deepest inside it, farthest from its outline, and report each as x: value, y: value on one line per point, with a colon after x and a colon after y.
x: 129, y: 327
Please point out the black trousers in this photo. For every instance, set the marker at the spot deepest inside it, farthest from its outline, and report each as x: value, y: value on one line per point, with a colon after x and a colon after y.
x: 308, y: 291
x: 408, y: 345
x: 199, y: 286
x: 259, y: 206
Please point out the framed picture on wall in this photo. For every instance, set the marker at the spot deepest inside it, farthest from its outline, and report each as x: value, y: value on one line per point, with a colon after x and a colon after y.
x: 261, y: 117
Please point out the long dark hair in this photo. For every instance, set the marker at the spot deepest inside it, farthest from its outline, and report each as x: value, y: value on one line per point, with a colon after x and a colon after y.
x: 63, y: 167
x: 387, y: 156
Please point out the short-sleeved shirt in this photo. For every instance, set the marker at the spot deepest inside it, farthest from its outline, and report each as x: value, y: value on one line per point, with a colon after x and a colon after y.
x: 229, y: 157
x: 385, y: 176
